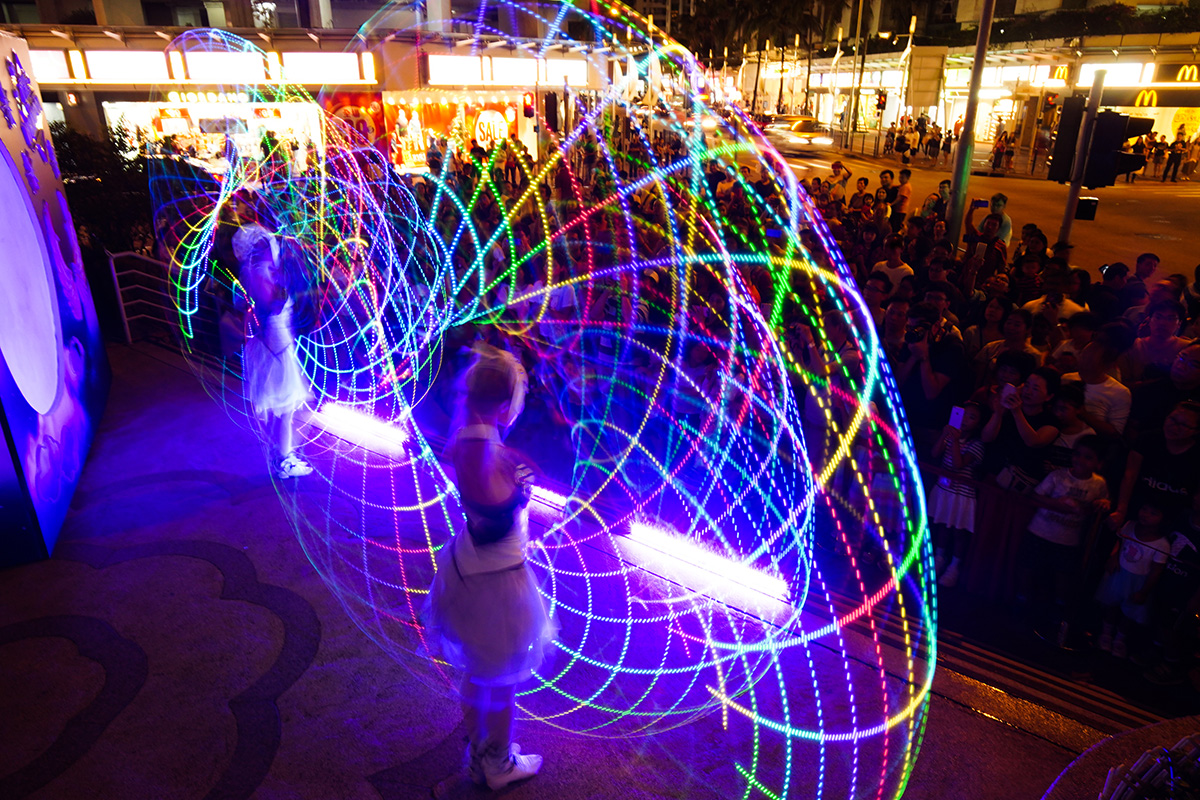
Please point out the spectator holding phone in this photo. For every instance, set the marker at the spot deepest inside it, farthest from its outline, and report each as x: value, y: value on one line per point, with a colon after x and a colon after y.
x: 1020, y: 429
x: 925, y: 372
x: 984, y: 244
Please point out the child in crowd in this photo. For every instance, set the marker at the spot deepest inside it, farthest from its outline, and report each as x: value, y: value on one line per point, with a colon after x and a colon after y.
x: 1134, y: 567
x: 1068, y: 405
x: 1051, y: 548
x: 952, y: 501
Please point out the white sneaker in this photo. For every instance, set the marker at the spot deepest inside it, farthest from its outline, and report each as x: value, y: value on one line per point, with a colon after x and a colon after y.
x: 515, y: 768
x: 293, y: 466
x: 474, y: 760
x: 949, y: 578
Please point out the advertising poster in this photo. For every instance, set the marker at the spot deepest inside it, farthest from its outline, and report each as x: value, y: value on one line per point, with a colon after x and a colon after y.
x: 411, y: 123
x: 54, y: 374
x: 363, y: 111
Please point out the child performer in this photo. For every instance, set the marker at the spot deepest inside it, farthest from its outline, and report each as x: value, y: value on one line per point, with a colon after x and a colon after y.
x: 275, y: 384
x: 485, y: 605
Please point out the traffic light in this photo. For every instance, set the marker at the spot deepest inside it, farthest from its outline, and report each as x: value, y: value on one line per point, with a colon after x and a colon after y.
x: 1065, y: 140
x: 1105, y: 161
x: 880, y: 100
x: 1049, y: 102
x: 527, y: 98
x: 1129, y: 162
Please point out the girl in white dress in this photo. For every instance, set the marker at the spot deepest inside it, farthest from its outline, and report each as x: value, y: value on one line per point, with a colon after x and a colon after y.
x: 485, y: 605
x: 274, y: 383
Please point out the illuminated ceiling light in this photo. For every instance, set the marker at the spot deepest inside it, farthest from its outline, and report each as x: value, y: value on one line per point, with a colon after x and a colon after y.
x: 114, y: 35
x: 163, y: 35
x: 60, y: 34
x: 359, y: 428
x: 78, y: 68
x: 315, y: 38
x: 368, y: 67
x: 178, y: 71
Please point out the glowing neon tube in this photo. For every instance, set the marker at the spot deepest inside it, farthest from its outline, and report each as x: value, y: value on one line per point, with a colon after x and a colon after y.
x: 362, y: 429
x: 701, y: 569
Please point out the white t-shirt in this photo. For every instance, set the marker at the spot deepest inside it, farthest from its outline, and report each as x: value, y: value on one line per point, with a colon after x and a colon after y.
x: 1067, y: 309
x: 1139, y: 557
x: 1055, y: 526
x: 1110, y: 399
x: 894, y: 275
x: 563, y: 297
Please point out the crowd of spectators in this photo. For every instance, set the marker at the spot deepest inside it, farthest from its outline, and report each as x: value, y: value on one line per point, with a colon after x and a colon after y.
x: 1029, y: 384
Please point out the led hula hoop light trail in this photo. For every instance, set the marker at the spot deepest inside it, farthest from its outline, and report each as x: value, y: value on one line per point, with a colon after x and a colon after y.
x: 714, y: 465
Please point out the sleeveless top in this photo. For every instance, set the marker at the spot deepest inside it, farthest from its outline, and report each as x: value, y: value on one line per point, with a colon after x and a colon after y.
x: 497, y: 532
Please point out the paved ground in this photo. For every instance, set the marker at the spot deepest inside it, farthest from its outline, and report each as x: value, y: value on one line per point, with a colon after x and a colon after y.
x: 179, y: 644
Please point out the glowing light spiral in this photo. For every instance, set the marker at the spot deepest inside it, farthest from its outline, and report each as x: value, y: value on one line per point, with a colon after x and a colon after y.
x: 712, y: 478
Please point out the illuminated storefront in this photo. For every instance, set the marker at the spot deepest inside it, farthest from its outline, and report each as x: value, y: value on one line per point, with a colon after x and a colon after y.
x: 194, y: 103
x: 183, y: 123
x: 478, y: 97
x: 398, y: 96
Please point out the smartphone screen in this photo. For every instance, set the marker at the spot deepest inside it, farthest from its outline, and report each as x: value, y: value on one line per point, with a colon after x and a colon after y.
x: 980, y: 250
x: 956, y: 417
x: 1007, y: 391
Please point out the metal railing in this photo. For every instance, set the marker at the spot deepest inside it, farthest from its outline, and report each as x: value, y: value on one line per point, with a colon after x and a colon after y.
x: 148, y: 310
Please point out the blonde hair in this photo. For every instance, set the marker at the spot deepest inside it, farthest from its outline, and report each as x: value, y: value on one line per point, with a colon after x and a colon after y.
x: 491, y: 380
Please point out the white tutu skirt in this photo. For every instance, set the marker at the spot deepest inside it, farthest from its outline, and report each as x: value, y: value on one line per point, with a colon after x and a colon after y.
x: 492, y: 625
x: 274, y: 382
x: 950, y: 509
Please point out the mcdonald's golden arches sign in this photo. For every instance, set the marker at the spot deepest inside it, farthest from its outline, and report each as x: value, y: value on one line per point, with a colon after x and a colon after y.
x: 1061, y: 73
x: 1147, y: 98
x: 1188, y: 73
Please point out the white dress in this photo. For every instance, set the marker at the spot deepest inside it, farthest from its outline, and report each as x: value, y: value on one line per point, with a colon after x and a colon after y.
x: 484, y: 605
x: 273, y: 380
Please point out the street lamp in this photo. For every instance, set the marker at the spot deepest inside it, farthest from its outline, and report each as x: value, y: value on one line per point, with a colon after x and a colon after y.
x: 862, y: 65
